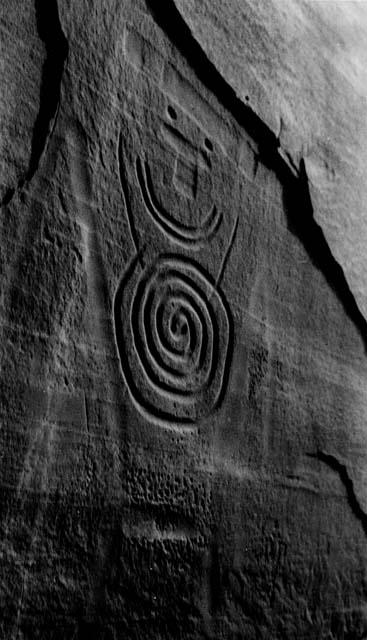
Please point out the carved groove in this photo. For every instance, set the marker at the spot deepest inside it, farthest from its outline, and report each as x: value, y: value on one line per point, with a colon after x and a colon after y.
x: 185, y: 235
x: 124, y: 192
x: 228, y: 252
x: 174, y: 338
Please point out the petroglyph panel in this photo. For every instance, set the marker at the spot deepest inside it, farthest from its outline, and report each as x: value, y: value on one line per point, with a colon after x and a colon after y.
x: 173, y: 324
x: 174, y: 336
x: 183, y: 375
x: 174, y: 230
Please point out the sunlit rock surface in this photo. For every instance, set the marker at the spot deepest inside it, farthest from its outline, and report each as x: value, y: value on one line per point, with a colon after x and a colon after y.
x: 302, y: 67
x: 183, y: 348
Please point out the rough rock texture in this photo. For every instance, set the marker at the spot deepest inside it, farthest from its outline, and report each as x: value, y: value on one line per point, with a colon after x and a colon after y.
x: 183, y: 382
x: 302, y: 67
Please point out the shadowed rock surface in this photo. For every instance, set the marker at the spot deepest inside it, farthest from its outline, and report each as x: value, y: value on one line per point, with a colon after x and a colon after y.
x: 183, y: 347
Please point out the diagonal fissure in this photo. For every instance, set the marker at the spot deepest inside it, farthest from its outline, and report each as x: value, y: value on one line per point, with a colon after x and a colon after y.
x: 297, y: 200
x: 56, y: 47
x: 333, y: 463
x: 50, y: 32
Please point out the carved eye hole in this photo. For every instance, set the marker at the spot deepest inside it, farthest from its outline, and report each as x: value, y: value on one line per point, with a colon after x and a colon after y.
x: 208, y: 144
x: 171, y: 112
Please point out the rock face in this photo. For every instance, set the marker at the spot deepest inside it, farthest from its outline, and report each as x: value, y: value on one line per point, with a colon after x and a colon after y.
x: 184, y: 361
x: 302, y: 67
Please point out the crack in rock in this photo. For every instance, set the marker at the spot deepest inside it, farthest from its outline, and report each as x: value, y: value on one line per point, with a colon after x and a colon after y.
x: 302, y: 223
x: 178, y: 31
x: 56, y: 46
x: 298, y: 203
x: 50, y: 32
x: 341, y: 469
x: 288, y: 92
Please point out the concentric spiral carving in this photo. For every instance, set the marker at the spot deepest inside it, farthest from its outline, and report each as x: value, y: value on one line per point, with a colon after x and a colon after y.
x: 173, y: 332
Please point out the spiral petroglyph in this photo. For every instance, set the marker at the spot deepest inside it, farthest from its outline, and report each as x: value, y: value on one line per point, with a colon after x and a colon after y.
x: 174, y: 336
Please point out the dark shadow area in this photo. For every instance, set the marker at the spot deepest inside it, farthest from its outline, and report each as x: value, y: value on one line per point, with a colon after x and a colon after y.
x: 296, y: 194
x: 301, y: 222
x: 50, y: 32
x: 8, y: 196
x: 169, y: 19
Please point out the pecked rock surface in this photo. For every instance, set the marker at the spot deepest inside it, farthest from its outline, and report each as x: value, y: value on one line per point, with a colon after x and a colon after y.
x: 183, y: 362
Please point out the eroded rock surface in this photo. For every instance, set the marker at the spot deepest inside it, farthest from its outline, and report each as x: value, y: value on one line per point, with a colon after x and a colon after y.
x: 183, y: 415
x: 302, y: 67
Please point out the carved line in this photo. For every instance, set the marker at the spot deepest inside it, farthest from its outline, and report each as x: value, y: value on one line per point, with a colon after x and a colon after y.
x: 227, y: 253
x: 155, y: 374
x: 160, y: 415
x: 182, y: 357
x: 178, y: 141
x: 169, y: 346
x: 161, y: 418
x: 182, y: 234
x: 129, y: 213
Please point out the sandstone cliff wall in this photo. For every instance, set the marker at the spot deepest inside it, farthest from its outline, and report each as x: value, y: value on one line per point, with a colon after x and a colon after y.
x: 183, y: 332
